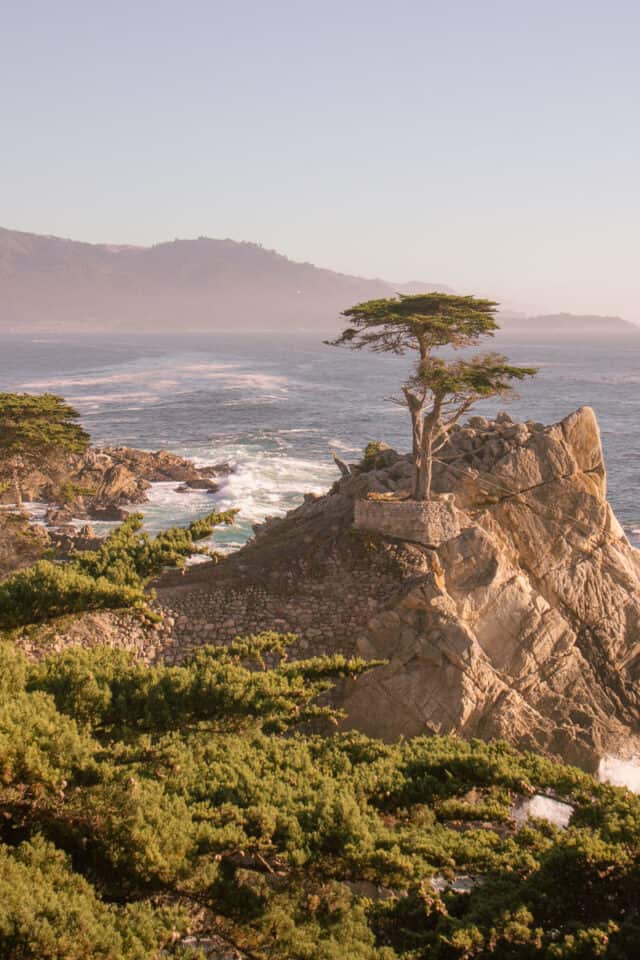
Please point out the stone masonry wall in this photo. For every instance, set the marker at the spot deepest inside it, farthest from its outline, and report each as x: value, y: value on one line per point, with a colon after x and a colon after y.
x: 429, y: 522
x: 326, y: 614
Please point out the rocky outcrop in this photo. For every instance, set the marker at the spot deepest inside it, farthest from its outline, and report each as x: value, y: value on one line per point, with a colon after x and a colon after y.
x: 103, y: 481
x: 522, y: 621
x: 523, y: 624
x: 163, y: 465
x: 527, y: 624
x: 21, y: 542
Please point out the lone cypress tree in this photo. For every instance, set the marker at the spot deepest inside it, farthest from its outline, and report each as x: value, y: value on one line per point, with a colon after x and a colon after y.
x: 35, y: 431
x: 438, y: 392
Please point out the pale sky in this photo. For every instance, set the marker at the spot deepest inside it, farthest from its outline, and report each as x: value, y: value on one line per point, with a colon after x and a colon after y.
x: 492, y: 146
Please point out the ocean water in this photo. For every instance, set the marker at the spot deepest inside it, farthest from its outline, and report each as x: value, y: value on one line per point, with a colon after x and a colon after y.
x: 277, y: 407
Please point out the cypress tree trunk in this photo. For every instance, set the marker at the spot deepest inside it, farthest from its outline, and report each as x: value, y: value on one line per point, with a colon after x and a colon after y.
x: 416, y: 408
x: 416, y: 433
x: 424, y: 464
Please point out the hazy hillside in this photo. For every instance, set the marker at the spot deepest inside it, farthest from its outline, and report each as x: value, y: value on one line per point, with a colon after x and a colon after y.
x: 567, y: 326
x: 205, y: 284
x: 181, y: 285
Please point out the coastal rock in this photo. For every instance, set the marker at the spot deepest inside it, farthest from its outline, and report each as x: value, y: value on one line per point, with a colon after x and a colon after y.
x: 118, y: 487
x: 58, y: 515
x: 161, y: 465
x: 98, y: 484
x: 523, y: 623
x: 106, y: 512
x: 527, y: 626
x: 202, y: 483
x: 21, y: 542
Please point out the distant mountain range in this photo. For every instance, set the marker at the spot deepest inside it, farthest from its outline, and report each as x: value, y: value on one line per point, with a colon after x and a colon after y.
x: 182, y: 285
x: 196, y: 285
x: 566, y: 326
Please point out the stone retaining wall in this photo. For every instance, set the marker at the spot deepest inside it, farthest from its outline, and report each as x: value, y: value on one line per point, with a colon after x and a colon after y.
x: 326, y: 615
x: 429, y: 522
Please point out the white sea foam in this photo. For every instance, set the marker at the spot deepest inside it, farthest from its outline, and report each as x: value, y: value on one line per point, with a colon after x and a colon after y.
x: 335, y: 444
x: 168, y: 376
x: 621, y: 773
x: 543, y: 808
x: 263, y: 484
x: 36, y: 510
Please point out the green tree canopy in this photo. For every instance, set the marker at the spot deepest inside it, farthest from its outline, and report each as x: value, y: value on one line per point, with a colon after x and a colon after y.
x: 438, y: 392
x: 34, y: 431
x: 139, y: 804
x: 420, y: 322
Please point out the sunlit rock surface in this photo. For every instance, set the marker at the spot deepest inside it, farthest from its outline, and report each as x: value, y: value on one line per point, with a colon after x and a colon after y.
x: 527, y: 624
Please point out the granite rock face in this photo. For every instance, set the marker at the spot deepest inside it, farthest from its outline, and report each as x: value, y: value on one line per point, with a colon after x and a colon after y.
x: 524, y: 626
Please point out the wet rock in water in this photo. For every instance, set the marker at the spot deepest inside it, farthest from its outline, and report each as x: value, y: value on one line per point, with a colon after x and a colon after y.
x: 202, y: 483
x: 58, y: 515
x: 108, y: 513
x: 223, y: 469
x: 154, y: 467
x: 100, y: 479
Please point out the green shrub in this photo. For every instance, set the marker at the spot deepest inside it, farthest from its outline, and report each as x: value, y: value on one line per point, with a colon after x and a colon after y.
x: 50, y: 912
x: 114, y: 576
x: 132, y: 794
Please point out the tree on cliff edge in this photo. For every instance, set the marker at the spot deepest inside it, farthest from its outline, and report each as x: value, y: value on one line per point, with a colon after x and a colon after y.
x: 438, y: 392
x: 34, y: 431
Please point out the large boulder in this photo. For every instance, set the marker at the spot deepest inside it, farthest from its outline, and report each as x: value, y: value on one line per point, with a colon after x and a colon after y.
x: 527, y: 625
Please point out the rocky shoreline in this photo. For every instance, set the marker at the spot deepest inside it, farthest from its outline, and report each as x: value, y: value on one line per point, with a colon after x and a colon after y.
x: 101, y: 483
x: 98, y: 486
x: 522, y: 624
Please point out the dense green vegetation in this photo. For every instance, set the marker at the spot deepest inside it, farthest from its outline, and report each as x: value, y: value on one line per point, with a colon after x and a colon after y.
x: 139, y: 803
x: 115, y: 575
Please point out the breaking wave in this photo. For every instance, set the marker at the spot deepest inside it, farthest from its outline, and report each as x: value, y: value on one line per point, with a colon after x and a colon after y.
x: 620, y: 772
